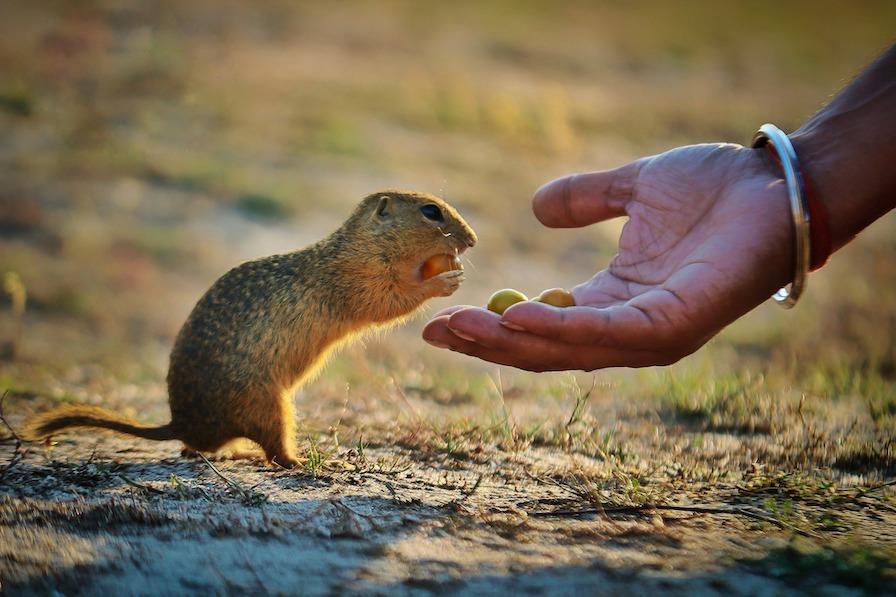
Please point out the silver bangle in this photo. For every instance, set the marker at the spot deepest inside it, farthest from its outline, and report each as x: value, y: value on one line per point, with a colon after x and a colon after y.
x: 799, y: 210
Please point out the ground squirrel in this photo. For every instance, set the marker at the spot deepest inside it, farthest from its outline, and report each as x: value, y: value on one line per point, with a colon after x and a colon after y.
x: 267, y: 325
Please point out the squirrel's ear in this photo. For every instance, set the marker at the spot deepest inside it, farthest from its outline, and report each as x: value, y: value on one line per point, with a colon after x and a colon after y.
x: 384, y: 207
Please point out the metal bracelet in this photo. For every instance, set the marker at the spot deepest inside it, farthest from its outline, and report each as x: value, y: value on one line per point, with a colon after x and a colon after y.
x: 799, y: 210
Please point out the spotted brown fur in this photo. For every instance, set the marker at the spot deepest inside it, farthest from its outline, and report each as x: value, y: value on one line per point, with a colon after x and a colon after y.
x: 266, y: 326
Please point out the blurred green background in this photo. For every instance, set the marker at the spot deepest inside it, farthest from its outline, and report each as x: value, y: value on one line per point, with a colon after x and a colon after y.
x: 149, y: 146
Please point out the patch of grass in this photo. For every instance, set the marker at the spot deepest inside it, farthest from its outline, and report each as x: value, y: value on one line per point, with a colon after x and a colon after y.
x: 446, y: 386
x: 156, y: 69
x: 186, y: 491
x: 543, y: 123
x: 392, y: 464
x: 507, y: 116
x: 781, y: 509
x: 790, y: 484
x: 504, y: 427
x: 65, y: 300
x: 453, y: 445
x: 248, y: 496
x: 731, y: 402
x: 554, y: 122
x: 580, y: 432
x: 618, y: 487
x: 844, y: 381
x: 106, y: 156
x: 16, y: 100
x: 446, y: 102
x: 809, y: 500
x: 315, y: 458
x: 197, y: 174
x: 262, y: 207
x: 84, y: 474
x: 878, y: 454
x: 336, y: 134
x: 83, y: 516
x: 856, y: 565
x: 164, y: 244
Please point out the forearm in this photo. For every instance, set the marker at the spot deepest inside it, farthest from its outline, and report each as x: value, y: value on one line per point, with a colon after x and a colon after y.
x: 848, y: 150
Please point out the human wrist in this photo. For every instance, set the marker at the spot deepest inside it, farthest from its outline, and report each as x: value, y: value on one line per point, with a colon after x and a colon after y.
x: 778, y: 263
x: 825, y: 170
x: 847, y: 150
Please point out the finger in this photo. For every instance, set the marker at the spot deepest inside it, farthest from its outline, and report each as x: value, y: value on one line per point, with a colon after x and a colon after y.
x: 452, y: 309
x: 582, y: 199
x: 618, y: 326
x: 480, y: 333
x: 436, y: 330
x: 438, y: 334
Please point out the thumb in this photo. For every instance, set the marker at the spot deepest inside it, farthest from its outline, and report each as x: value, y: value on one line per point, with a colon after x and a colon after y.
x: 582, y: 199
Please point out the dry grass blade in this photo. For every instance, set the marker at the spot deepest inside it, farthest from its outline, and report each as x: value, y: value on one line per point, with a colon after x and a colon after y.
x: 248, y: 496
x: 140, y: 486
x: 17, y: 453
x: 867, y: 490
x: 12, y: 431
x: 581, y: 403
x: 338, y: 503
x: 475, y: 488
x: 404, y: 398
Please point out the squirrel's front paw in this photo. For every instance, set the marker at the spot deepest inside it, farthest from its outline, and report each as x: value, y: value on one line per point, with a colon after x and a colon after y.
x: 444, y: 284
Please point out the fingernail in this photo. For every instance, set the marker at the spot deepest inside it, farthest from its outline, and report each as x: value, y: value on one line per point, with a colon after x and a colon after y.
x: 512, y: 326
x: 462, y: 335
x: 436, y: 343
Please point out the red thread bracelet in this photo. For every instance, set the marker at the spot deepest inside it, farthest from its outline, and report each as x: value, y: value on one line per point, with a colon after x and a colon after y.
x: 819, y: 228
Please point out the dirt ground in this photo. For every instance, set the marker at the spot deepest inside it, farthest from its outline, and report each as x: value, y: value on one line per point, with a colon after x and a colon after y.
x: 89, y: 529
x: 148, y: 147
x: 142, y: 520
x: 471, y: 509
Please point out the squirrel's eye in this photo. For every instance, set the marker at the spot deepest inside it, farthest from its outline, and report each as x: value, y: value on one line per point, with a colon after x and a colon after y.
x: 432, y: 212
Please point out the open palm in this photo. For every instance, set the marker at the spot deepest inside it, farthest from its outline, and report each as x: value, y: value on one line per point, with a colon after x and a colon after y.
x: 708, y: 238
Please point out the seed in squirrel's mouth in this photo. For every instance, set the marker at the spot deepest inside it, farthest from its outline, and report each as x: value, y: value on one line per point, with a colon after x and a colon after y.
x: 438, y: 264
x: 501, y: 300
x: 557, y: 297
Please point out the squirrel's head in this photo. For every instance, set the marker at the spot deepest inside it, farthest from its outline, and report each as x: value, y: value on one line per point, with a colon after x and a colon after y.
x: 409, y: 227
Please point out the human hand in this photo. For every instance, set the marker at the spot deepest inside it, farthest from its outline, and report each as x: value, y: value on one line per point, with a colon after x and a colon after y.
x: 709, y: 237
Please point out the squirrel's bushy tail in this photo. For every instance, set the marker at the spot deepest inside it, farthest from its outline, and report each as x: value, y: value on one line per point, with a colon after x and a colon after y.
x: 67, y: 417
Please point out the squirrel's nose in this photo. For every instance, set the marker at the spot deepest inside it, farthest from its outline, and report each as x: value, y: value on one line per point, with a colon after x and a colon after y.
x: 470, y: 237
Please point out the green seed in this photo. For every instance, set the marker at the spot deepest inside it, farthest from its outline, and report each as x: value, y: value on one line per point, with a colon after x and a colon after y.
x: 501, y: 300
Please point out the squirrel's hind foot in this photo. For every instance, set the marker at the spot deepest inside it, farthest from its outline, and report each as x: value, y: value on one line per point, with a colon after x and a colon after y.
x: 284, y: 461
x: 238, y: 449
